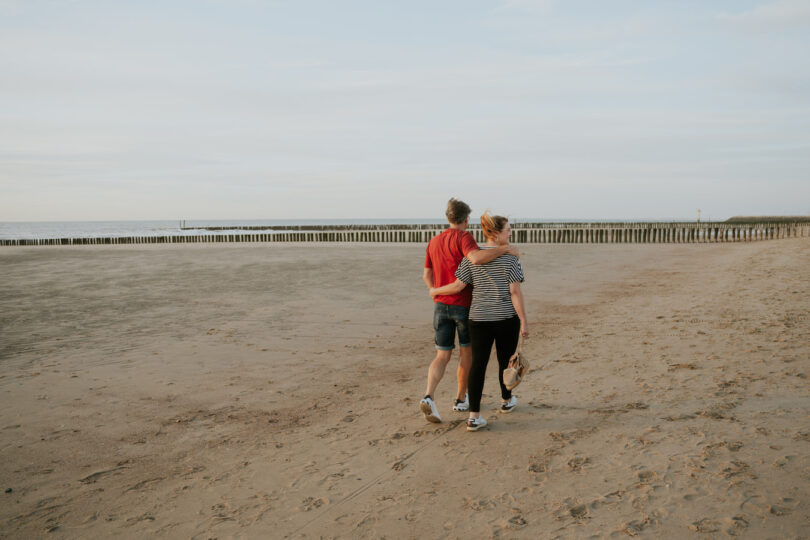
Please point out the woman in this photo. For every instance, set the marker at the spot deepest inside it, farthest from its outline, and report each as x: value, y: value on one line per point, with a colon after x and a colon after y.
x: 497, y: 313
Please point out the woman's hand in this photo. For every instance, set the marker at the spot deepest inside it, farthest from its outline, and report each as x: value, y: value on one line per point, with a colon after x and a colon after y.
x: 524, y: 329
x: 432, y: 292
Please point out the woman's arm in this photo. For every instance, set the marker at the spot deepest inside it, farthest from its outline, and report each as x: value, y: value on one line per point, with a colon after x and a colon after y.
x: 517, y: 301
x: 453, y: 288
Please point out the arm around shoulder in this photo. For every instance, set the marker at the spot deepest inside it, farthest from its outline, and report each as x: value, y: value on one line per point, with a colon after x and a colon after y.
x: 483, y: 256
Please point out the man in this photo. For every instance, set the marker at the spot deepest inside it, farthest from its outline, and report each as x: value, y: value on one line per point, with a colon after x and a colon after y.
x: 450, y: 313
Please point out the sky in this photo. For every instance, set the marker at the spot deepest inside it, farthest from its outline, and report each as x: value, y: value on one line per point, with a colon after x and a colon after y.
x: 243, y: 109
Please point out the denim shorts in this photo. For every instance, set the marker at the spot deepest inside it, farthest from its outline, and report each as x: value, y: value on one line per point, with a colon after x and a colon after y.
x: 448, y: 319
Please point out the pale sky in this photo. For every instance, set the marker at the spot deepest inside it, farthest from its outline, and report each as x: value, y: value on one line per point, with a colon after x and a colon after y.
x: 246, y: 109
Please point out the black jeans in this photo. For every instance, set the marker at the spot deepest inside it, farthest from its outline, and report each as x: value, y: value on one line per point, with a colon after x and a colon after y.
x: 505, y: 334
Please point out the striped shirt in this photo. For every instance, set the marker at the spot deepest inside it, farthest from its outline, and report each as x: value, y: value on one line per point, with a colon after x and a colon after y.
x: 491, y: 298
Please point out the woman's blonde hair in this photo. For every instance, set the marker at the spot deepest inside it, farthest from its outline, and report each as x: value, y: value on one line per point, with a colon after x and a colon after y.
x: 492, y: 225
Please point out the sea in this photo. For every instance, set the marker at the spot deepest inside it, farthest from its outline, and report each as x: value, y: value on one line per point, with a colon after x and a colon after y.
x: 19, y: 230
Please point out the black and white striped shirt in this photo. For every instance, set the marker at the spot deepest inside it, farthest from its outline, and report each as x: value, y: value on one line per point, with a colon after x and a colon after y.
x: 491, y: 299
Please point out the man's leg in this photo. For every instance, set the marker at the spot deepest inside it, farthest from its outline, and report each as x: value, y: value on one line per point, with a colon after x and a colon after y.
x: 445, y: 342
x: 461, y: 318
x: 463, y: 373
x: 436, y: 371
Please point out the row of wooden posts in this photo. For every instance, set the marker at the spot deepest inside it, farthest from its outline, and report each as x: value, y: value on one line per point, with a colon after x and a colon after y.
x: 533, y: 233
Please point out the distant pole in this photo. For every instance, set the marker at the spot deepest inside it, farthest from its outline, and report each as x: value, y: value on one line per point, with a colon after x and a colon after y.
x: 698, y: 215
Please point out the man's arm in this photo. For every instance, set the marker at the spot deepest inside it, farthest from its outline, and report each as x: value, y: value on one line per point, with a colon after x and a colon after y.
x: 427, y: 277
x: 483, y: 256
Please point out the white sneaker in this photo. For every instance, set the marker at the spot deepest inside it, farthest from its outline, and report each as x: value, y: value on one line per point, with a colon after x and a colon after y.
x: 474, y: 424
x: 429, y: 409
x: 461, y: 406
x: 509, y: 406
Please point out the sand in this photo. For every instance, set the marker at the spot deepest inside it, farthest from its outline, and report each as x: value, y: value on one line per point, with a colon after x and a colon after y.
x: 270, y: 391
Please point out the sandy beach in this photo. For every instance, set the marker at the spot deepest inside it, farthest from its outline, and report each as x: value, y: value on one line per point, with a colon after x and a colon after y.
x: 271, y: 391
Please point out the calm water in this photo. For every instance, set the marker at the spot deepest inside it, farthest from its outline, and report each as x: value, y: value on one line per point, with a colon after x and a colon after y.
x: 105, y: 229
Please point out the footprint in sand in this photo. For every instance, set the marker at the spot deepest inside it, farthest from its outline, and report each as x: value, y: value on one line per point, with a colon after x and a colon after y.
x: 733, y: 446
x: 674, y: 367
x: 737, y: 526
x: 738, y: 468
x: 636, y: 527
x: 538, y: 467
x: 517, y: 522
x: 142, y: 517
x: 333, y: 478
x: 311, y: 503
x: 638, y: 405
x: 576, y: 464
x: 676, y: 417
x: 610, y: 498
x: 479, y: 504
x: 539, y: 405
x: 779, y: 510
x: 579, y: 511
x: 705, y: 525
x: 645, y: 477
x: 540, y: 464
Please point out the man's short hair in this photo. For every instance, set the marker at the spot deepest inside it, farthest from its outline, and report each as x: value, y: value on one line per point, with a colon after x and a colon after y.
x: 457, y: 211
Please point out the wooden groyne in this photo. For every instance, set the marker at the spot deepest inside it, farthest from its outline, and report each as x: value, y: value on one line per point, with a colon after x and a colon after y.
x: 522, y: 233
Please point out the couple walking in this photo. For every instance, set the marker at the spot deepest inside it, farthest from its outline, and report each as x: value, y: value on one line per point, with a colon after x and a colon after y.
x: 476, y: 293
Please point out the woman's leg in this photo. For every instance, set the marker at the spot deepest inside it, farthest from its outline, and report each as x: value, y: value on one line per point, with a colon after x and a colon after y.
x: 481, y: 338
x: 506, y: 340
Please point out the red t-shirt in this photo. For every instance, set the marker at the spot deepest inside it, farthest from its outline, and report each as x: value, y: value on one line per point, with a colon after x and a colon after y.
x: 444, y: 253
